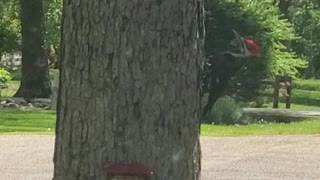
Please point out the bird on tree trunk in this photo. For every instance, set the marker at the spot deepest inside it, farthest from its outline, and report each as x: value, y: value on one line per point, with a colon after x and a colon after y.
x: 222, y: 66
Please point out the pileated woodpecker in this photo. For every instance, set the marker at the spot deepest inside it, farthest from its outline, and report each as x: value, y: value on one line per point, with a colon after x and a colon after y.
x: 224, y: 65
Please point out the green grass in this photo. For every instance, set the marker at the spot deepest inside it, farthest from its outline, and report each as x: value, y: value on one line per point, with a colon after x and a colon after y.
x: 311, y: 84
x: 305, y: 127
x: 20, y: 122
x: 301, y: 99
x: 305, y: 97
x: 294, y: 106
x: 43, y: 122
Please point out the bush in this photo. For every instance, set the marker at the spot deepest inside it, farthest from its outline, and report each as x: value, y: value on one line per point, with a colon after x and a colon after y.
x: 4, y: 77
x: 226, y: 111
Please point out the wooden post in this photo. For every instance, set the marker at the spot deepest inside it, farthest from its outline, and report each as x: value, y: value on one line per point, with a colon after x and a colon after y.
x: 289, y: 88
x: 276, y: 93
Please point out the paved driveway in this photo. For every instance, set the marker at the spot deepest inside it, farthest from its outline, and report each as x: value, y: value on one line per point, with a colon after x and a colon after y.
x: 277, y: 157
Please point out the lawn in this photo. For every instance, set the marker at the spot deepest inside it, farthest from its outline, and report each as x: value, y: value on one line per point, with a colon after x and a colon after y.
x: 19, y: 121
x: 305, y: 95
x: 305, y: 127
x: 310, y: 84
x: 43, y: 122
x: 294, y: 106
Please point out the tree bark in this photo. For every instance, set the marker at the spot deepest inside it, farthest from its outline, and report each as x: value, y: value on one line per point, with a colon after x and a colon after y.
x: 129, y: 90
x: 35, y: 80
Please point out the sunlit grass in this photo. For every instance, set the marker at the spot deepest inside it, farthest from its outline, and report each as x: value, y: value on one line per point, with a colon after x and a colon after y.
x: 311, y: 84
x: 18, y: 121
x: 305, y: 127
x: 304, y: 99
x: 43, y: 122
x: 299, y: 107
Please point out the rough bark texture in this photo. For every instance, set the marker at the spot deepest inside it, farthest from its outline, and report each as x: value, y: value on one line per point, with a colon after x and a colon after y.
x: 129, y: 91
x: 35, y: 80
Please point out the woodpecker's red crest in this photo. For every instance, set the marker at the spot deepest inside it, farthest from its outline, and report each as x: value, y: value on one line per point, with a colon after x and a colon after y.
x: 246, y: 47
x: 252, y: 47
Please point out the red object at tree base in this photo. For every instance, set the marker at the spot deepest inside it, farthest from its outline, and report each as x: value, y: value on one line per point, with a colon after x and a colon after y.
x: 128, y: 170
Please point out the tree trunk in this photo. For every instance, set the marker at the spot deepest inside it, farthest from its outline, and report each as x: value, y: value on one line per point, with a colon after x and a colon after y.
x: 284, y: 6
x: 35, y: 80
x: 57, y: 57
x: 129, y: 91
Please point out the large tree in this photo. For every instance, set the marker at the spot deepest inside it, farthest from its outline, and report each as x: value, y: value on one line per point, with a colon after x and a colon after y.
x: 129, y: 90
x: 35, y: 80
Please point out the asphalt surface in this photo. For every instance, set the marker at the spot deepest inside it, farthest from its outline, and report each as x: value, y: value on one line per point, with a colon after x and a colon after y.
x: 245, y: 158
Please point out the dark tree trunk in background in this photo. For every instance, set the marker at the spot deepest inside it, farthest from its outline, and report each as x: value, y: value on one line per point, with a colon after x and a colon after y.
x: 284, y: 6
x: 35, y: 80
x: 129, y: 90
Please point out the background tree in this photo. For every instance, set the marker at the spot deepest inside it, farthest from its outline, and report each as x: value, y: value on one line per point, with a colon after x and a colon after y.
x: 35, y: 75
x: 128, y: 88
x: 9, y: 27
x: 305, y: 15
x: 53, y: 12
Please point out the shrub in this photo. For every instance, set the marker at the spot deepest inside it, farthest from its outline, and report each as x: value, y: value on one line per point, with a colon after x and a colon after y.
x: 226, y: 111
x: 4, y: 77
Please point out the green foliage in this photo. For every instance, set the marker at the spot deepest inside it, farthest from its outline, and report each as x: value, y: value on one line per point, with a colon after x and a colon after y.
x: 4, y: 76
x: 305, y: 15
x: 285, y: 63
x: 53, y: 9
x: 225, y: 111
x: 274, y: 30
x: 9, y: 26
